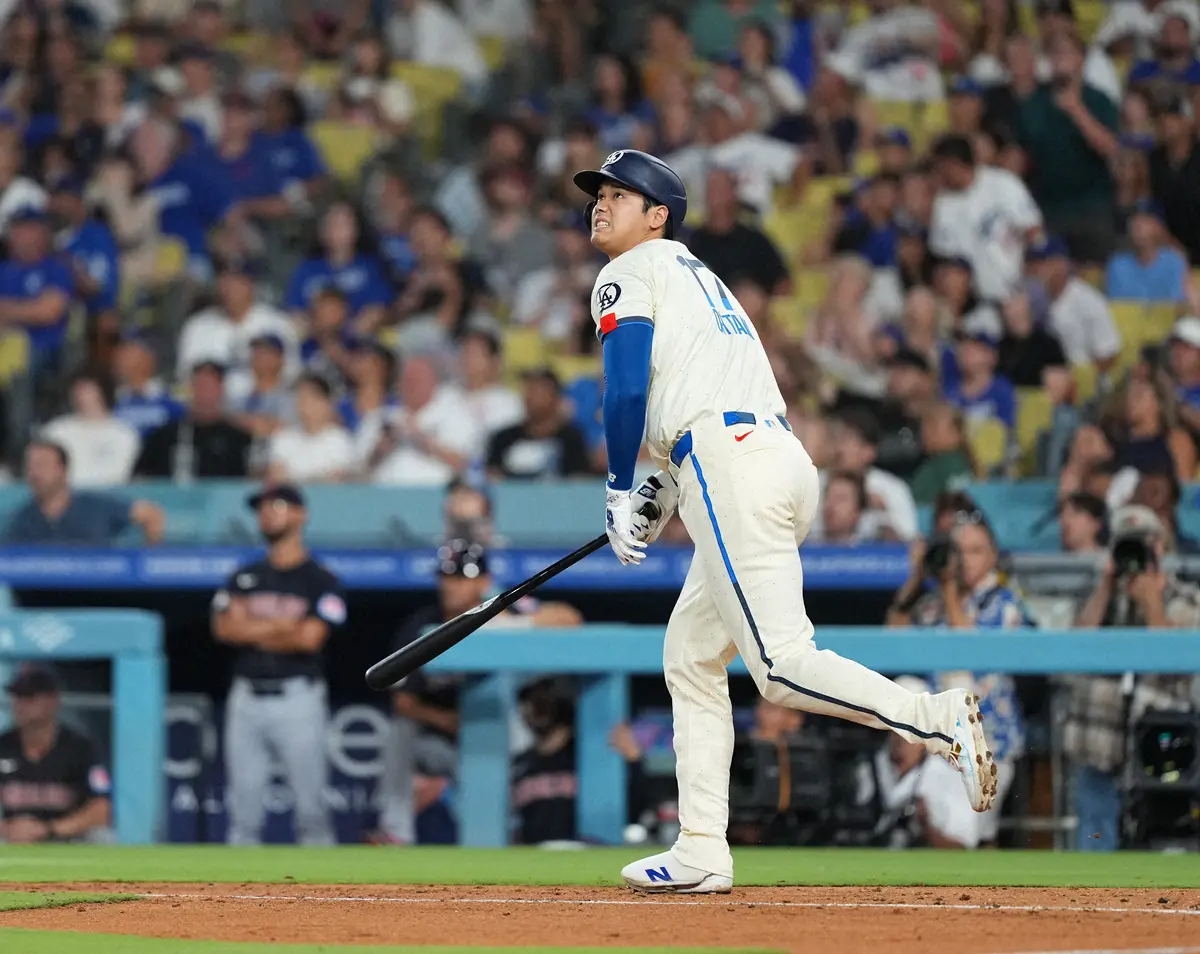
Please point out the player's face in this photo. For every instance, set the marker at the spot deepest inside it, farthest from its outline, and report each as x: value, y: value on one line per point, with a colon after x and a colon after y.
x: 29, y: 711
x: 977, y: 554
x: 277, y: 519
x: 461, y: 593
x: 620, y: 220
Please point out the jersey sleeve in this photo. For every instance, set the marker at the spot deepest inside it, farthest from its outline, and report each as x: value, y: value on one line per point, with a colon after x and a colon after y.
x: 240, y: 581
x: 328, y: 602
x: 621, y: 295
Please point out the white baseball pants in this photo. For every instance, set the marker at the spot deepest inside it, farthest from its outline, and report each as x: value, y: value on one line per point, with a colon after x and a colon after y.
x: 748, y: 504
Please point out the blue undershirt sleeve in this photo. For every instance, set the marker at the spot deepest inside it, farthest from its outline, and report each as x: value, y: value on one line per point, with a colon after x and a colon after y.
x: 626, y: 385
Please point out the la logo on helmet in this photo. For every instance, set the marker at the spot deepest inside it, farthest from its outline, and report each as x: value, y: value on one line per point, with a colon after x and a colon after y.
x: 614, y: 157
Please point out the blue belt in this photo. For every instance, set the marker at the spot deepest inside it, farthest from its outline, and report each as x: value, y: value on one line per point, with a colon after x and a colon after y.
x: 683, y: 446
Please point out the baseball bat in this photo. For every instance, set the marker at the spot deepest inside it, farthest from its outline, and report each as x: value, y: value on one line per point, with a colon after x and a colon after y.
x: 408, y: 659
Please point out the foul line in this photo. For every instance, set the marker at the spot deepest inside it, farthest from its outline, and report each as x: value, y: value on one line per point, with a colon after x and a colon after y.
x: 851, y: 905
x: 1129, y: 950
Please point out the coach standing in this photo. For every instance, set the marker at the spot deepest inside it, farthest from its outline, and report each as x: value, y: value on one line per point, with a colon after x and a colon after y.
x: 277, y: 613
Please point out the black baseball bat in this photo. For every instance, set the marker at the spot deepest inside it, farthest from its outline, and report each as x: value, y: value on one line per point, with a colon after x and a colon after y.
x: 408, y: 659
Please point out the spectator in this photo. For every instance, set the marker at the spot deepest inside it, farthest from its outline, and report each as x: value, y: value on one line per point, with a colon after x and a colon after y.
x: 1079, y: 316
x: 623, y: 119
x: 543, y: 446
x: 869, y: 228
x: 839, y: 335
x: 56, y: 515
x: 202, y: 444
x: 192, y: 197
x: 391, y: 204
x: 55, y: 788
x: 468, y: 513
x: 1159, y: 490
x: 1130, y: 23
x: 102, y: 448
x: 1152, y: 270
x: 222, y: 334
x: 948, y: 465
x: 1175, y: 63
x: 545, y: 785
x: 1026, y: 350
x: 731, y: 249
x: 16, y: 191
x: 966, y: 109
x: 1175, y: 172
x: 957, y: 297
x: 890, y: 506
x: 1099, y: 713
x: 984, y: 215
x: 283, y: 146
x: 91, y: 248
x: 492, y: 405
x: 555, y: 299
x: 340, y: 265
x: 268, y: 404
x: 911, y: 388
x: 459, y: 198
x: 511, y: 244
x: 1069, y: 132
x: 142, y: 398
x: 1056, y: 20
x: 373, y: 374
x: 201, y: 103
x: 423, y: 440
x: 716, y: 24
x: 979, y: 393
x: 443, y: 287
x: 830, y: 130
x: 329, y: 349
x: 253, y: 181
x: 920, y: 806
x: 426, y: 32
x: 771, y: 91
x: 1183, y: 359
x: 35, y: 288
x: 893, y: 53
x: 763, y: 163
x: 151, y: 49
x: 843, y: 503
x: 1081, y: 518
x: 317, y: 449
x: 669, y: 51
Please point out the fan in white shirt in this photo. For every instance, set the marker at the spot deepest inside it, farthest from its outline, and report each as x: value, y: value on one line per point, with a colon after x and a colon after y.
x: 983, y: 214
x: 222, y: 334
x: 426, y: 32
x: 491, y: 405
x: 893, y: 54
x: 425, y: 440
x: 101, y: 448
x: 319, y: 450
x: 1079, y: 314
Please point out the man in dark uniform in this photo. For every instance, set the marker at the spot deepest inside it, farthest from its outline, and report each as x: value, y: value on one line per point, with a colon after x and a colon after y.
x: 52, y: 786
x: 277, y: 614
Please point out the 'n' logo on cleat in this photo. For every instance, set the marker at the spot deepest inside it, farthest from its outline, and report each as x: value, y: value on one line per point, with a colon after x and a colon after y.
x: 658, y: 875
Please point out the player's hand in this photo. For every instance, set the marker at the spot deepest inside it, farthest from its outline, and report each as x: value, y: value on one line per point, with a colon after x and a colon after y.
x: 619, y: 523
x: 660, y: 490
x: 26, y: 830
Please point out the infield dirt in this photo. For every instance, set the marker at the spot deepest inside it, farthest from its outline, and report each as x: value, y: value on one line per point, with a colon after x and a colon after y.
x: 839, y: 920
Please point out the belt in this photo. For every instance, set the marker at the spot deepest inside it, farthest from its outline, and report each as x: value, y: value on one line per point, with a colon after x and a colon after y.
x: 273, y: 687
x: 683, y: 446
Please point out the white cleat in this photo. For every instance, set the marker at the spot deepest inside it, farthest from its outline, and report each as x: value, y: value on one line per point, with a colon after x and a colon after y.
x: 663, y: 874
x: 972, y: 756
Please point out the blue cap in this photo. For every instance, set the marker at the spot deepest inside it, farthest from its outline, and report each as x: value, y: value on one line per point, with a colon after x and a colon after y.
x: 1147, y: 207
x: 965, y: 86
x: 979, y: 337
x: 894, y: 136
x: 270, y: 340
x: 1050, y: 247
x: 27, y: 213
x: 1142, y: 142
x: 70, y: 184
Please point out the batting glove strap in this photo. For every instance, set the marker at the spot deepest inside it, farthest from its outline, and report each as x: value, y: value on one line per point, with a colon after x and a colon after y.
x: 661, y: 493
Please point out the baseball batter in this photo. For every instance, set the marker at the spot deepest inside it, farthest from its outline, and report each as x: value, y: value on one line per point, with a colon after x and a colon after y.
x: 685, y: 368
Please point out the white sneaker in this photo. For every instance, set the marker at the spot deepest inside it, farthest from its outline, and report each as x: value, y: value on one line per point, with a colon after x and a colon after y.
x: 972, y: 757
x: 664, y: 874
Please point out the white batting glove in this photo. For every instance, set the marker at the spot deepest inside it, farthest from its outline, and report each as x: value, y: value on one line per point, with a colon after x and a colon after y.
x: 619, y: 523
x: 662, y: 493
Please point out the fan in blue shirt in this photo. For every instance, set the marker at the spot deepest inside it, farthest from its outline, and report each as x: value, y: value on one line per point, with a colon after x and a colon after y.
x: 35, y: 288
x: 357, y: 276
x: 980, y: 392
x: 617, y: 110
x: 1175, y: 61
x: 90, y: 246
x: 392, y: 218
x: 1151, y: 270
x: 282, y: 148
x: 143, y: 401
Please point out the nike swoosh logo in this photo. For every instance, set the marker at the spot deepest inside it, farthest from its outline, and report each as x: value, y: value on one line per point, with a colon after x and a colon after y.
x: 741, y: 437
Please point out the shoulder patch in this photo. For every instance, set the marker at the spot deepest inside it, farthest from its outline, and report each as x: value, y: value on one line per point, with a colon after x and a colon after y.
x: 608, y: 295
x: 332, y: 609
x: 99, y: 781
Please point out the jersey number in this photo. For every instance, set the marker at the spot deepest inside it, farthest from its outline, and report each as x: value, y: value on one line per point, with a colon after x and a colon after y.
x: 729, y: 322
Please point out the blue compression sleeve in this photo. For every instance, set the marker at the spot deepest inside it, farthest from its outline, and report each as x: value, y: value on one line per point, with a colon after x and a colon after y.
x: 626, y: 384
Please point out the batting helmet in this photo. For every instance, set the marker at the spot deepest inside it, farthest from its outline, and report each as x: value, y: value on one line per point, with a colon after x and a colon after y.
x: 643, y: 173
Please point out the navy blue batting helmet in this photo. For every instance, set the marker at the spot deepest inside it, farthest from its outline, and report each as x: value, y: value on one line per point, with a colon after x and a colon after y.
x: 643, y: 173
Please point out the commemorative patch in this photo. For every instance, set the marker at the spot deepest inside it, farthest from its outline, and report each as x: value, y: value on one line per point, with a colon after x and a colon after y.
x: 332, y: 609
x: 608, y: 295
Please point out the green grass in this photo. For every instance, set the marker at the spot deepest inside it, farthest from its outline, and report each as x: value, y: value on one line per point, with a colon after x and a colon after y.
x: 23, y: 900
x: 66, y: 942
x: 596, y: 866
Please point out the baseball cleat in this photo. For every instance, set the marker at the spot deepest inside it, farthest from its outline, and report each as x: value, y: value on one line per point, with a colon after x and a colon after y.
x: 663, y: 874
x: 972, y: 757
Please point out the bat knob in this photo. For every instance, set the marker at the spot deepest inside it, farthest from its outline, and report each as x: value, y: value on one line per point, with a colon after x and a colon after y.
x: 650, y: 511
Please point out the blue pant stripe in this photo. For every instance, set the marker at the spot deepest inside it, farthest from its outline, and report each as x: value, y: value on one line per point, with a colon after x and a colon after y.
x: 762, y: 650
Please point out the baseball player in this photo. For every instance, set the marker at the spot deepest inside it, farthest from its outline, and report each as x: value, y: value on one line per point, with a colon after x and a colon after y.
x: 684, y: 366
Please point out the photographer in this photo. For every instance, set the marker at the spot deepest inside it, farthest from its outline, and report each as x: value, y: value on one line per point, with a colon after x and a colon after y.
x: 962, y: 587
x: 1133, y: 591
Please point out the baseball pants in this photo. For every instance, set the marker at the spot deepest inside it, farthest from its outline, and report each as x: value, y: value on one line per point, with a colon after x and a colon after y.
x: 748, y: 504
x: 291, y: 727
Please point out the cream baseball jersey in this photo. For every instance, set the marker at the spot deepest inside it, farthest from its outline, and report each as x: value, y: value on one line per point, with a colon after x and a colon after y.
x: 706, y: 357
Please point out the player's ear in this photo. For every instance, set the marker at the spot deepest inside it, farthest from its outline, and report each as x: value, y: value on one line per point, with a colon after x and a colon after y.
x: 658, y: 217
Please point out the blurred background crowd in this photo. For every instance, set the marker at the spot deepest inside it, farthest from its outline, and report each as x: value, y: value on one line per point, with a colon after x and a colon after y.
x: 338, y: 242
